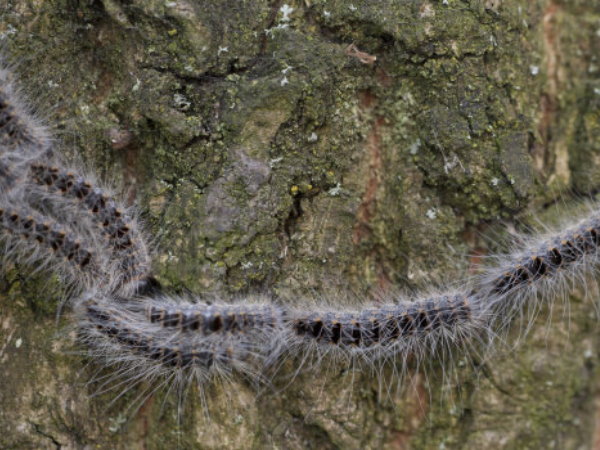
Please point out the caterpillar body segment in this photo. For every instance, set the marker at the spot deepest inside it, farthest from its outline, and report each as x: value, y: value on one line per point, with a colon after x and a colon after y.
x: 425, y: 329
x: 21, y: 133
x: 122, y: 334
x: 43, y: 243
x: 219, y: 318
x: 117, y: 224
x: 544, y: 268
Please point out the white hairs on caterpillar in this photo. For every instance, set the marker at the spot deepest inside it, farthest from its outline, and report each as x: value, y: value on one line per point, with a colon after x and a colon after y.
x: 54, y: 218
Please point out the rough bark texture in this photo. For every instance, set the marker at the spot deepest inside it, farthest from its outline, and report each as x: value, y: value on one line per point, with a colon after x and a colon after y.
x: 345, y: 146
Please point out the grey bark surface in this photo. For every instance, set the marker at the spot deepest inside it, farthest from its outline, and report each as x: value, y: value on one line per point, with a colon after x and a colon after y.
x: 317, y: 150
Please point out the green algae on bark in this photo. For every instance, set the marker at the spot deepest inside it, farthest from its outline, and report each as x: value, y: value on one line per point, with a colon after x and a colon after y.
x: 269, y: 155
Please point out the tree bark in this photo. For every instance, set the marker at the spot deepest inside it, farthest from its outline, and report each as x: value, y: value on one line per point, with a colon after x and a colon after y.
x: 325, y: 150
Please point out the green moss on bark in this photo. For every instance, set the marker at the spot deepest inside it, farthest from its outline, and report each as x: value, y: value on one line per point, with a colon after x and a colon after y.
x: 269, y: 154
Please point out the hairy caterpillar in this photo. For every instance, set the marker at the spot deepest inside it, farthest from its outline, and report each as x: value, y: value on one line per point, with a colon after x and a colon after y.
x: 21, y: 134
x: 542, y: 268
x: 152, y: 337
x: 33, y: 238
x: 124, y: 338
x: 119, y: 226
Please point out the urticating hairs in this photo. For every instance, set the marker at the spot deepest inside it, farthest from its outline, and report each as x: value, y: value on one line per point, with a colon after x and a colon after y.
x: 55, y: 217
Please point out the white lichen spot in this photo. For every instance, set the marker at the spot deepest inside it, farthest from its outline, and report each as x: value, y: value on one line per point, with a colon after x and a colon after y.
x: 285, y: 11
x: 588, y: 354
x: 335, y: 191
x: 597, y: 91
x: 270, y: 31
x: 18, y: 343
x: 313, y: 137
x: 286, y: 70
x: 326, y: 14
x: 455, y: 49
x: 415, y: 146
x: 239, y: 419
x: 222, y: 50
x: 116, y: 423
x: 284, y: 81
x: 275, y: 161
x: 534, y: 70
x: 494, y: 181
x: 171, y: 4
x: 431, y: 213
x: 352, y: 7
x: 247, y: 265
x: 451, y: 163
x: 181, y: 102
x: 53, y: 84
x: 408, y: 98
x: 137, y: 85
x: 170, y: 257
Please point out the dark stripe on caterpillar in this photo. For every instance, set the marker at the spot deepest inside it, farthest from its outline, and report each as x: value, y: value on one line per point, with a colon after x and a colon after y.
x: 118, y: 227
x: 386, y: 324
x: 557, y: 253
x: 44, y: 232
x: 170, y: 352
x: 17, y: 129
x: 108, y: 214
x: 209, y: 319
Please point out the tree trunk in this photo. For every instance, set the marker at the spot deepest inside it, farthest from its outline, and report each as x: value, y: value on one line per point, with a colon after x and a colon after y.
x: 323, y: 150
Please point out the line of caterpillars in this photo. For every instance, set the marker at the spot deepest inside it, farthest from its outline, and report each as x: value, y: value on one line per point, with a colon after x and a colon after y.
x: 378, y: 326
x: 389, y: 323
x: 361, y: 329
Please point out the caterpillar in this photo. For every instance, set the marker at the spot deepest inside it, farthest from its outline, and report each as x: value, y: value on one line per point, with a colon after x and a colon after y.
x: 123, y: 338
x: 542, y: 268
x: 118, y: 225
x: 132, y: 326
x: 33, y: 238
x: 21, y: 133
